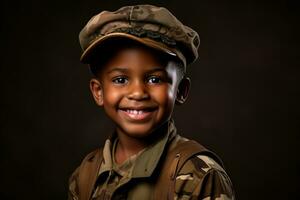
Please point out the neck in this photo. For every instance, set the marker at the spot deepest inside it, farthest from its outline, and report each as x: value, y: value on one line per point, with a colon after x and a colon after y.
x: 129, y: 146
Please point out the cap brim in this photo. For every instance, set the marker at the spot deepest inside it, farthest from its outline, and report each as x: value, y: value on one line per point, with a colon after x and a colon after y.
x: 85, y: 57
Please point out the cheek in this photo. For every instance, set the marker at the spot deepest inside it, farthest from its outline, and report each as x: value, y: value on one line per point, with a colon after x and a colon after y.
x: 111, y: 95
x: 164, y: 95
x: 172, y: 92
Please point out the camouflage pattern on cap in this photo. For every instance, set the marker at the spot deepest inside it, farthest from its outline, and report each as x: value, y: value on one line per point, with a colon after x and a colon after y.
x: 142, y: 21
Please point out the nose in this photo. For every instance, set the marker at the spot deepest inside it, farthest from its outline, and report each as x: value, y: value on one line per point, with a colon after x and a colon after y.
x: 138, y: 91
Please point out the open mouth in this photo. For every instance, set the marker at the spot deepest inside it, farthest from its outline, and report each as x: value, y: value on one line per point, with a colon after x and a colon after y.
x: 138, y: 113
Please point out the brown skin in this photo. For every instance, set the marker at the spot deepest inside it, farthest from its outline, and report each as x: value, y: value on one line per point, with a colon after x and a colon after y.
x: 138, y: 92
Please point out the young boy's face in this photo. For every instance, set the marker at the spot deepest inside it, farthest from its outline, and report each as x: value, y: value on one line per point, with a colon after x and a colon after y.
x: 137, y: 90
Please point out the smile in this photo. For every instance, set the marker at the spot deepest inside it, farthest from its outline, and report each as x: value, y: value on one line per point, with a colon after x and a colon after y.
x: 137, y: 114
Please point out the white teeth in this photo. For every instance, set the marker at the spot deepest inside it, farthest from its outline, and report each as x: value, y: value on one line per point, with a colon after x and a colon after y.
x: 135, y: 112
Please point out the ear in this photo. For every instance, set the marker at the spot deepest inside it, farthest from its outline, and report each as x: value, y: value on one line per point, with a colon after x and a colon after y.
x: 97, y: 91
x: 183, y: 90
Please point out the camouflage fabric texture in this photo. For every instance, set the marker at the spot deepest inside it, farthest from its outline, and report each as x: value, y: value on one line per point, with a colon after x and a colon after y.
x: 153, y: 26
x: 201, y: 177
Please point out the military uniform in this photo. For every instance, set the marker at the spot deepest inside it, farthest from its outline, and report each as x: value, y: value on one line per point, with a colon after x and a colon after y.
x: 201, y: 177
x: 172, y: 167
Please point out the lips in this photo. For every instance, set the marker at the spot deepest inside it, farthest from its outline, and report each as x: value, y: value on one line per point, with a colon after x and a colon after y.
x: 137, y: 114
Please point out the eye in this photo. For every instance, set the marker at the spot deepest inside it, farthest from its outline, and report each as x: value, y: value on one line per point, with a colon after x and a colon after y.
x: 120, y: 80
x: 154, y: 79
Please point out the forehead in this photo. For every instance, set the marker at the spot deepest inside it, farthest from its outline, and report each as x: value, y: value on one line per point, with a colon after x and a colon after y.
x: 135, y: 58
x: 118, y: 52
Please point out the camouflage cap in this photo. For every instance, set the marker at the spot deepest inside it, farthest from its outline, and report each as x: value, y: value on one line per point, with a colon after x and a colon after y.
x: 152, y: 26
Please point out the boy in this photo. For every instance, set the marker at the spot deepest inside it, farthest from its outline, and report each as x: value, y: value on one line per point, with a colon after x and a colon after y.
x: 138, y: 56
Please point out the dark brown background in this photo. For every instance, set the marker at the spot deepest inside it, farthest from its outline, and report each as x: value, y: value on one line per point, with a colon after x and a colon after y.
x: 244, y: 101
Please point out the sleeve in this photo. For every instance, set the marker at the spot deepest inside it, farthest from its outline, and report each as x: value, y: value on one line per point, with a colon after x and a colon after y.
x: 201, y: 178
x: 73, y: 186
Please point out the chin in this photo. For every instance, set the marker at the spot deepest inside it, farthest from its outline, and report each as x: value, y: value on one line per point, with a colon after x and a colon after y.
x: 138, y: 131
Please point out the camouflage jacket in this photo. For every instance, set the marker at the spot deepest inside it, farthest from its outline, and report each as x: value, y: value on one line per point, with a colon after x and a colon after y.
x: 201, y: 177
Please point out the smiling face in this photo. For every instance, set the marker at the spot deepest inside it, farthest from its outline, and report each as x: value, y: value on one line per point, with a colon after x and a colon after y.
x: 137, y: 90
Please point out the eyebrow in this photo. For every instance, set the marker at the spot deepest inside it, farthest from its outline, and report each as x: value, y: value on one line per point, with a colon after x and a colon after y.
x: 156, y: 70
x: 124, y: 70
x: 118, y: 69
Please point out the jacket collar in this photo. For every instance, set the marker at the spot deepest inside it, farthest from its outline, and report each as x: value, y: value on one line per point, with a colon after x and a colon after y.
x: 146, y: 163
x: 148, y: 159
